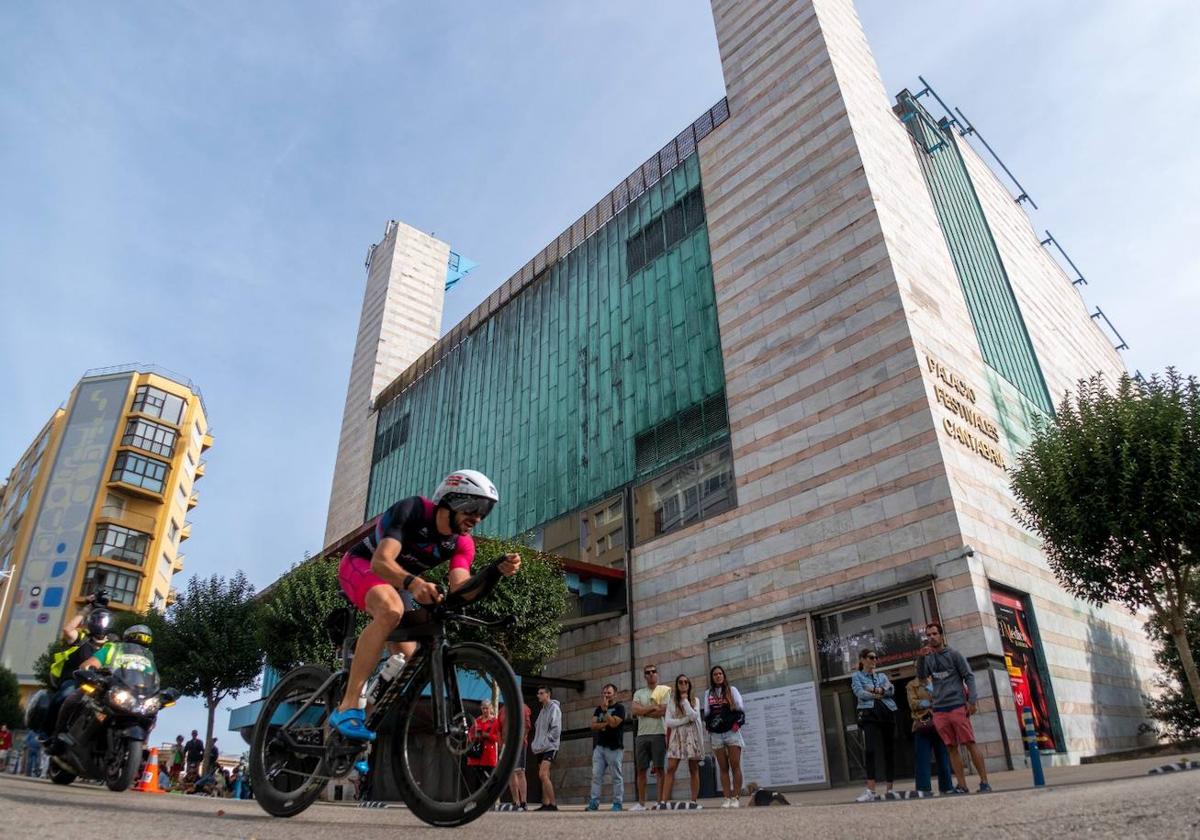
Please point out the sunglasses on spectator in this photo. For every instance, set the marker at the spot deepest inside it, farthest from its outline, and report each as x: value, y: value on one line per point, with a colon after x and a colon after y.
x: 650, y: 671
x: 870, y: 656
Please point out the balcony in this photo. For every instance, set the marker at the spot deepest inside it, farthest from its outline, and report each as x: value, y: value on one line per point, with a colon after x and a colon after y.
x: 200, y: 467
x: 116, y: 482
x: 177, y: 564
x: 172, y: 596
x: 206, y: 441
x: 185, y: 531
x: 120, y: 515
x: 193, y: 499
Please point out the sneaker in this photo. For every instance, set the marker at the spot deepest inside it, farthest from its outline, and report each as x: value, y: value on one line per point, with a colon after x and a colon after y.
x: 522, y: 807
x: 351, y: 723
x: 984, y: 787
x: 725, y: 804
x: 891, y: 795
x: 694, y: 806
x: 547, y: 808
x: 638, y: 807
x: 867, y: 796
x: 593, y: 805
x: 735, y: 803
x: 959, y: 790
x: 616, y: 806
x: 920, y: 794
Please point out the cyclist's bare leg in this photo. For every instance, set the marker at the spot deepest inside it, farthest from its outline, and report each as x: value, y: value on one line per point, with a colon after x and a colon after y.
x: 386, y: 608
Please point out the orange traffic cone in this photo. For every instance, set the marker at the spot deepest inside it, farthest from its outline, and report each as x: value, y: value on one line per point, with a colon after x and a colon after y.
x: 149, y: 780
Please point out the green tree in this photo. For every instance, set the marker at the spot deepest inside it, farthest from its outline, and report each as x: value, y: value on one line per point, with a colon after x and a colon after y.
x: 10, y: 699
x: 207, y: 643
x: 291, y: 623
x: 1112, y: 486
x: 1172, y: 706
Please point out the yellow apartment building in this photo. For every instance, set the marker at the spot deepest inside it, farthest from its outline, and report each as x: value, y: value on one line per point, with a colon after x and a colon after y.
x: 99, y: 499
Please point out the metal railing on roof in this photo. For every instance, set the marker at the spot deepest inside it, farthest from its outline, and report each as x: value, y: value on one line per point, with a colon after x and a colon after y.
x: 158, y: 370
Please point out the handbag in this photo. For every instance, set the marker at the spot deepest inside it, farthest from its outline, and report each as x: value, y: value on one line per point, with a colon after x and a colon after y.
x: 475, y: 749
x: 923, y: 725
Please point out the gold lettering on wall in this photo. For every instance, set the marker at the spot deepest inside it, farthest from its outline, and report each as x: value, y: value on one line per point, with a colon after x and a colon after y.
x: 958, y: 397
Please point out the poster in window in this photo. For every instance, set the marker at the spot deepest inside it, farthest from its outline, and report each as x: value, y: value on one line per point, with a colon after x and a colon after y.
x: 1020, y: 656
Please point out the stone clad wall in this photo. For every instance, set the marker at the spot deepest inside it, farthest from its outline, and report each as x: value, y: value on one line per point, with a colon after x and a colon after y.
x: 400, y: 320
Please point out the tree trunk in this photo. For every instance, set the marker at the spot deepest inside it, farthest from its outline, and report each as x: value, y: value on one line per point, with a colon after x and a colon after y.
x: 211, y: 704
x: 1178, y: 630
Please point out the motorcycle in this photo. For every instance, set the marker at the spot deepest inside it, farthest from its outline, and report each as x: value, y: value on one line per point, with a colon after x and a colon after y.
x: 106, y: 735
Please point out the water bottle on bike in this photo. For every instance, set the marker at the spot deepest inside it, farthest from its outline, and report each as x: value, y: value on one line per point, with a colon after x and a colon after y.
x: 374, y: 690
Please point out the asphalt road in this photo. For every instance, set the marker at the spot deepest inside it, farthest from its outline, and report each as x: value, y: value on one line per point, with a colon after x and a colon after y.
x: 1158, y: 807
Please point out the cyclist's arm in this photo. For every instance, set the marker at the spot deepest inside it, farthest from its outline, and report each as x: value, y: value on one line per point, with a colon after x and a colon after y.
x: 385, y: 562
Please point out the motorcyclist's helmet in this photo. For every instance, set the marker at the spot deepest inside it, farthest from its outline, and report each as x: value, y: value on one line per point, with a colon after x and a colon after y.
x: 138, y: 634
x: 468, y: 492
x: 99, y: 622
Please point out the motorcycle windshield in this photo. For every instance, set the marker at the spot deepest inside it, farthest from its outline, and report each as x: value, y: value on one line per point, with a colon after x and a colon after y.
x: 135, y: 670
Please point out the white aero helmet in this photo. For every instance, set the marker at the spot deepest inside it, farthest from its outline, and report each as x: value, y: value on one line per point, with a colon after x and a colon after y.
x: 467, y: 491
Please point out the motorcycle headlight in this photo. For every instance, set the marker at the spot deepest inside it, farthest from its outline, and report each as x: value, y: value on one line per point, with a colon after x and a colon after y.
x: 151, y: 705
x: 121, y: 700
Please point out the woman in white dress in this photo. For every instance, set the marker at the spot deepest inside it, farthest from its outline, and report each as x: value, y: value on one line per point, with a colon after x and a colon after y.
x: 686, y: 742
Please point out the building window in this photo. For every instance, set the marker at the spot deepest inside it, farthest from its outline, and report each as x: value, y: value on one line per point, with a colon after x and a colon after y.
x: 158, y: 403
x: 684, y: 495
x: 769, y: 657
x: 120, y: 543
x: 665, y: 232
x: 158, y: 602
x: 140, y: 472
x: 172, y: 532
x: 593, y: 595
x: 122, y: 586
x: 390, y: 438
x: 690, y: 430
x: 149, y: 436
x: 893, y: 628
x: 183, y: 497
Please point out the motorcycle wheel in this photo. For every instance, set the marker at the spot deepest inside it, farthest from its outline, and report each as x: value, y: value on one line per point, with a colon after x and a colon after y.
x: 122, y: 772
x: 60, y: 776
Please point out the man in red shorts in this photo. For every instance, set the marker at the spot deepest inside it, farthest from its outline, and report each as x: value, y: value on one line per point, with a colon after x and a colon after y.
x: 381, y: 574
x: 953, y: 703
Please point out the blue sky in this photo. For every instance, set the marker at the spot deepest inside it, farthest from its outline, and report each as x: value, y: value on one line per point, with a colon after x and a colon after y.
x: 195, y: 184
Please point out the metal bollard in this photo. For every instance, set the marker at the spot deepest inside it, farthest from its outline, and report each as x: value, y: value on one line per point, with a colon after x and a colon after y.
x: 1035, y: 757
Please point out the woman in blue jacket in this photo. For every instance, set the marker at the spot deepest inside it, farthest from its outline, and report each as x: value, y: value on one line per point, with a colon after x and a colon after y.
x: 876, y: 720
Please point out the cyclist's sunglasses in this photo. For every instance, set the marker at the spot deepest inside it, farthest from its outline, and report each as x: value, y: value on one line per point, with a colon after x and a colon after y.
x: 472, y: 506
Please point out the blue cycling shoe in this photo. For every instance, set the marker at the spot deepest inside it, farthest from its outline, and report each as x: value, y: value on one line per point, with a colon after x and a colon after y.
x: 352, y: 724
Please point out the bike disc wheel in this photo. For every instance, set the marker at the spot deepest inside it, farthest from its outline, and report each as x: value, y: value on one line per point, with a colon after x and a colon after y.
x: 430, y: 768
x: 286, y: 783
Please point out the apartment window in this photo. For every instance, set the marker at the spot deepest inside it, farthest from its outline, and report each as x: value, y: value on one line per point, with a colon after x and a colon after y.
x: 140, y: 472
x: 182, y: 495
x: 122, y: 586
x: 684, y: 495
x: 120, y: 543
x: 158, y: 403
x: 172, y: 532
x: 197, y: 435
x: 149, y: 436
x: 191, y: 461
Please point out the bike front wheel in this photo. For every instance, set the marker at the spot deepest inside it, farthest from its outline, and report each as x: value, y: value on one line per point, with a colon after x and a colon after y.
x: 428, y: 762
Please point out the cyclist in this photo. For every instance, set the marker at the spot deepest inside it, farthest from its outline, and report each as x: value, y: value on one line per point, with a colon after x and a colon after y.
x: 381, y: 574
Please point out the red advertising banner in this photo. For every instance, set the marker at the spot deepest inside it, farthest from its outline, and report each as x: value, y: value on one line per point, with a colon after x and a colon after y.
x: 1020, y: 655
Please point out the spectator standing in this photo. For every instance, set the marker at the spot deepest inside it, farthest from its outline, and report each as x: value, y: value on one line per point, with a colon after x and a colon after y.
x: 213, y: 755
x: 33, y: 754
x: 485, y: 735
x: 518, y: 785
x: 650, y: 743
x: 876, y: 721
x: 723, y: 712
x: 5, y: 745
x: 176, y: 759
x: 193, y: 752
x: 954, y: 696
x: 608, y: 747
x: 546, y: 740
x: 686, y: 742
x: 926, y: 742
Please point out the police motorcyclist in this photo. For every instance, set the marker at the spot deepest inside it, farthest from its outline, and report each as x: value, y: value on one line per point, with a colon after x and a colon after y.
x: 132, y: 652
x: 84, y: 634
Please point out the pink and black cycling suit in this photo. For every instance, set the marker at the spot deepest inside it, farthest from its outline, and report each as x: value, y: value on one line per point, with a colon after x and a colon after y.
x: 411, y: 522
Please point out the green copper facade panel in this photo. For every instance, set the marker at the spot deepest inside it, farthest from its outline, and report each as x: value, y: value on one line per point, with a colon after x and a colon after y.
x: 548, y: 395
x: 999, y: 326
